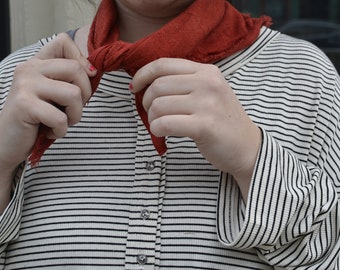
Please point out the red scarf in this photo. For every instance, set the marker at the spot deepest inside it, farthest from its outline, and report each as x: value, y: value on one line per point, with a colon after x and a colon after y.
x: 207, y: 31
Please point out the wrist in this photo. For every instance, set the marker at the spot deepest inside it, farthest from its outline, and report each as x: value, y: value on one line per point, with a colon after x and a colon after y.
x: 244, y: 172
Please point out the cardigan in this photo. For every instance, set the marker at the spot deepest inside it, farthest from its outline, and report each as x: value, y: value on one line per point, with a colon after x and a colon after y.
x: 102, y: 198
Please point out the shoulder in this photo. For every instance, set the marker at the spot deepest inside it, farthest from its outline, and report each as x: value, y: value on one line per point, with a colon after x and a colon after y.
x: 298, y: 54
x: 23, y: 54
x: 285, y: 58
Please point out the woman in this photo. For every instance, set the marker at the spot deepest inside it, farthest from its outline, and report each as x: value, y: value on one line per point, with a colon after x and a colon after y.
x: 163, y: 159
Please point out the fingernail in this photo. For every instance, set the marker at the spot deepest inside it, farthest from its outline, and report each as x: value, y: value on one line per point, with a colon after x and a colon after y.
x: 131, y: 86
x: 92, y: 67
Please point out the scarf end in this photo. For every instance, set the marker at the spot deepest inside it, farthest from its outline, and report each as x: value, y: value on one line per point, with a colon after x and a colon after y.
x: 160, y: 145
x: 41, y: 145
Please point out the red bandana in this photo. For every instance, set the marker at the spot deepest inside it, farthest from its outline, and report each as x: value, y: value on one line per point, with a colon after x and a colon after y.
x: 207, y: 31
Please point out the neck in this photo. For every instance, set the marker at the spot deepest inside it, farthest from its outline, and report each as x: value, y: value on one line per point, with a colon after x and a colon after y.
x: 134, y: 26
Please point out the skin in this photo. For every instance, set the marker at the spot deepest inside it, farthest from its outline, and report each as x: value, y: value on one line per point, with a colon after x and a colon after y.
x: 176, y: 99
x: 58, y: 74
x: 140, y: 18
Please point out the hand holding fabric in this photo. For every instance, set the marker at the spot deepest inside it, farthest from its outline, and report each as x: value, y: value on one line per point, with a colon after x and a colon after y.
x: 48, y: 91
x: 185, y: 98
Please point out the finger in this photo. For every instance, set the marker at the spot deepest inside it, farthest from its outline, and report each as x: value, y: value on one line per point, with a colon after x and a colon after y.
x: 161, y: 67
x: 167, y: 86
x: 50, y: 116
x: 63, y: 46
x: 171, y: 105
x: 66, y: 96
x: 176, y: 125
x: 69, y: 71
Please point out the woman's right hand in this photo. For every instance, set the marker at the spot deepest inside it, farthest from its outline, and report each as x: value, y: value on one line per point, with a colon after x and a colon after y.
x: 51, y: 88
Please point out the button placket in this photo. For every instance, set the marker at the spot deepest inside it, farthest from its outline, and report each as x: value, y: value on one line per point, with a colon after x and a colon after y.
x: 142, y: 231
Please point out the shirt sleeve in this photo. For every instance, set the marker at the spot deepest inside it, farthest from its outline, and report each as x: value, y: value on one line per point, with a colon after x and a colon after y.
x: 292, y: 215
x: 10, y: 219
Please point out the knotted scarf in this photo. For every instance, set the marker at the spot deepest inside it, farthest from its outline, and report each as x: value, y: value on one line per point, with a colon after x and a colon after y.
x: 207, y: 31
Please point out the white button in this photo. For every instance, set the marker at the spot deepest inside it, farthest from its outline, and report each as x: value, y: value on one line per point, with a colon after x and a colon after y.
x: 145, y: 213
x: 150, y: 166
x: 142, y: 259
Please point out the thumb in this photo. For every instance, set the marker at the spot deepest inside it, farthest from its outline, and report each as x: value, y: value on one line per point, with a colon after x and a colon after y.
x: 62, y: 46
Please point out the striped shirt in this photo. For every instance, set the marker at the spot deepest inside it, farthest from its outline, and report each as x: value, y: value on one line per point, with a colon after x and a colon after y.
x: 102, y: 198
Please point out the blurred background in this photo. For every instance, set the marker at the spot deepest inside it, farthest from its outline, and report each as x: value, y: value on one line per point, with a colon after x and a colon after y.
x: 313, y: 20
x: 25, y: 21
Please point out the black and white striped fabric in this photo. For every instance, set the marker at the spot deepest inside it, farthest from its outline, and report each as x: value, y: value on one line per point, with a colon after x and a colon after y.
x: 102, y: 198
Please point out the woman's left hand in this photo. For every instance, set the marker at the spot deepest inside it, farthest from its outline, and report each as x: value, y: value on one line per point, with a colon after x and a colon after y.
x: 185, y: 98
